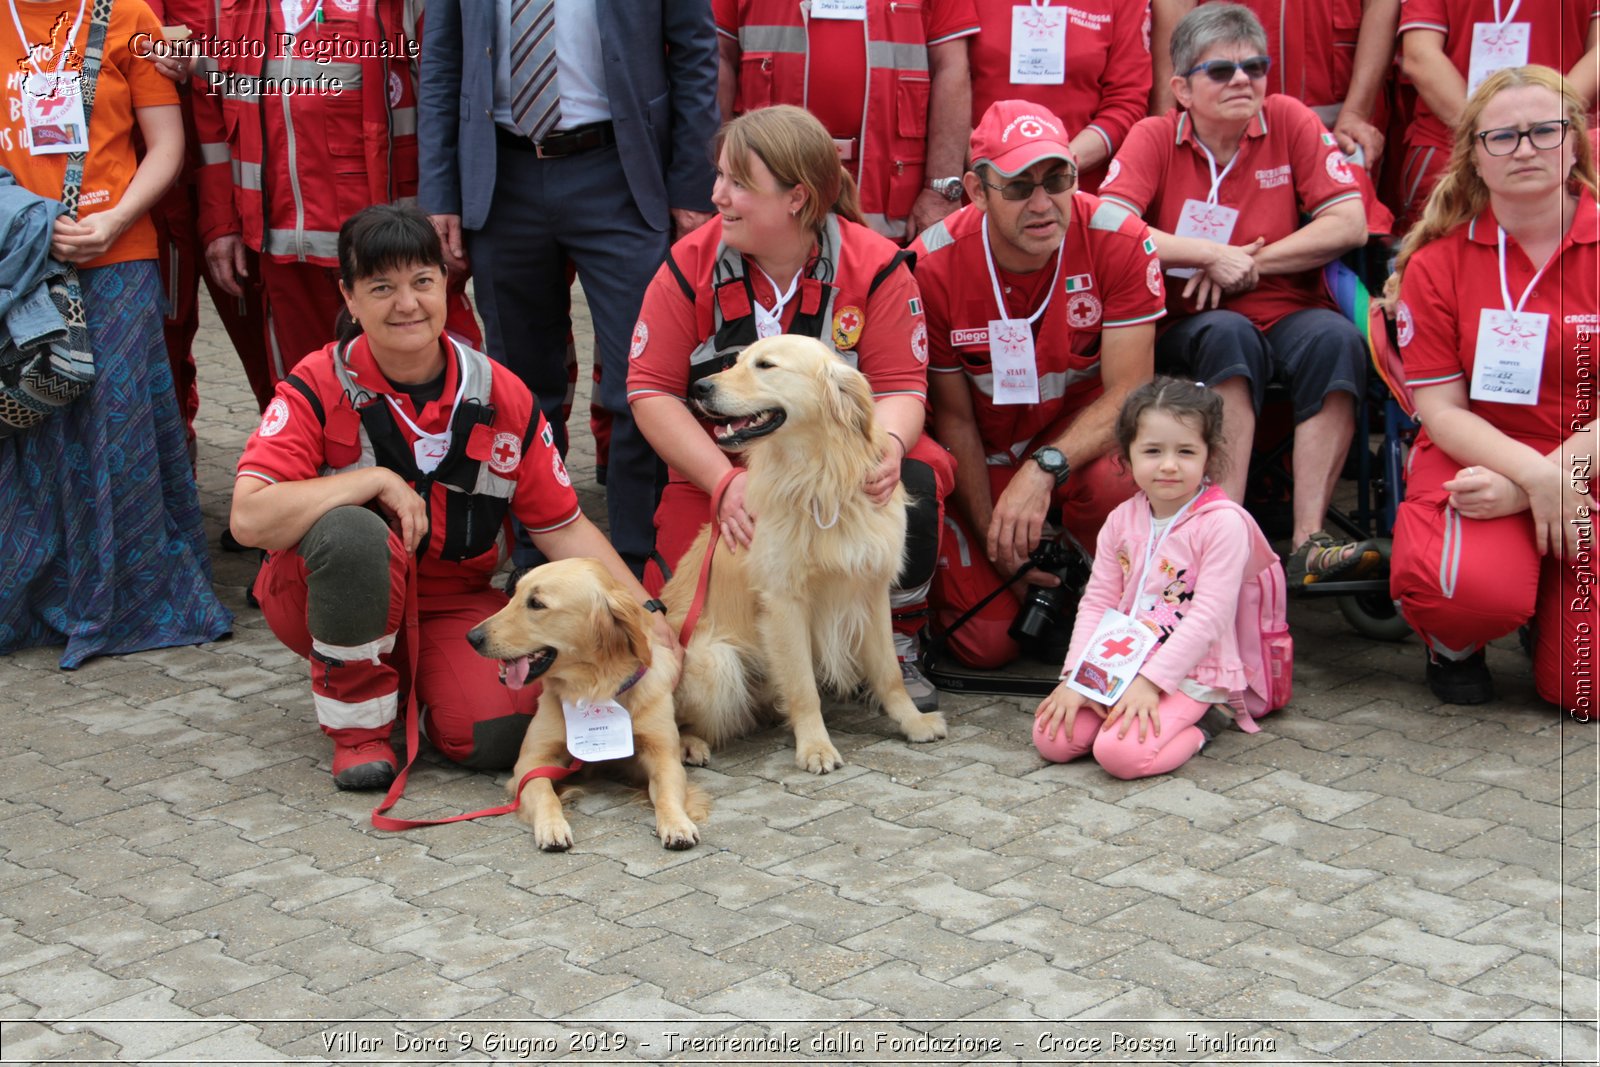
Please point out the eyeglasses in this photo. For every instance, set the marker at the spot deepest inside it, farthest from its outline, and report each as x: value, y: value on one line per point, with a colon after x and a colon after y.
x: 1221, y: 71
x: 1055, y: 183
x: 1505, y: 140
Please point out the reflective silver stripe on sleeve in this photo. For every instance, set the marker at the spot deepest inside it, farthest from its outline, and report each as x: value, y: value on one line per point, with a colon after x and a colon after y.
x: 790, y: 39
x: 403, y: 121
x: 897, y: 56
x: 214, y: 152
x: 305, y: 243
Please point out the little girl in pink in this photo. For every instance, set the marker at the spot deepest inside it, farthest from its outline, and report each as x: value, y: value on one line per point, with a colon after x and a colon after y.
x: 1172, y: 560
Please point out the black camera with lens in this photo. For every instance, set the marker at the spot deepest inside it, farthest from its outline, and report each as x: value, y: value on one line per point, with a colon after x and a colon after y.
x: 1042, y: 622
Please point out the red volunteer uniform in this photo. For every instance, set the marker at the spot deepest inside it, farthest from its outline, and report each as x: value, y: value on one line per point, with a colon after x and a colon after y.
x: 1288, y: 164
x: 1312, y: 47
x: 871, y: 81
x: 502, y: 464
x: 315, y: 121
x: 1110, y: 278
x: 1558, y: 38
x: 1462, y: 582
x: 1106, y: 84
x: 868, y: 310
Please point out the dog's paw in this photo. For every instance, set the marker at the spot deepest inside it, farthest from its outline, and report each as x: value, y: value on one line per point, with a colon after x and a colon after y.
x: 696, y: 753
x: 818, y: 759
x: 553, y: 837
x: 677, y: 834
x: 926, y: 727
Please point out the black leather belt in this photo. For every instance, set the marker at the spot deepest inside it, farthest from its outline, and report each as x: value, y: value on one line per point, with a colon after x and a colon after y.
x: 560, y: 143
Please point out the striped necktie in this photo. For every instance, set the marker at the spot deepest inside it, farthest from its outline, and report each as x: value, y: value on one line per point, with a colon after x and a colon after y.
x: 535, y: 96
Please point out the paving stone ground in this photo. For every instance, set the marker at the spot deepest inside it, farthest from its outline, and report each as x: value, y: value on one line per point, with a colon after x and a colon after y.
x: 1373, y: 878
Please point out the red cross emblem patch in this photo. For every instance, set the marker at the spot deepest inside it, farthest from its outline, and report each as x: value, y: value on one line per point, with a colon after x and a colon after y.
x: 505, y: 453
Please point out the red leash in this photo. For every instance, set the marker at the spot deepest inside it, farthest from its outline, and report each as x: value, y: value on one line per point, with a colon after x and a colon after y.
x: 414, y: 739
x: 704, y: 584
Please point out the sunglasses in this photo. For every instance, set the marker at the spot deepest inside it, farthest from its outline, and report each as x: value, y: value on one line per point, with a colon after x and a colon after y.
x: 1055, y: 183
x: 1222, y: 71
x: 1505, y: 140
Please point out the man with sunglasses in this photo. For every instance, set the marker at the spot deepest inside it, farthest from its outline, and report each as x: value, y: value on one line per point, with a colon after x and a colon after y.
x: 1224, y: 182
x: 1041, y: 306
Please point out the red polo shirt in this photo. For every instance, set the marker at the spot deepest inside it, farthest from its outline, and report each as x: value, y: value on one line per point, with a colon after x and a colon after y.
x: 1288, y: 165
x: 1110, y: 278
x: 1449, y: 281
x: 1107, y: 81
x: 294, y: 444
x: 1559, y: 33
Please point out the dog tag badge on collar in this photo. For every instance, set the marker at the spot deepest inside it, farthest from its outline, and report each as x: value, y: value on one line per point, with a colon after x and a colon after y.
x: 853, y: 10
x: 1111, y: 658
x: 1016, y: 377
x: 1038, y: 45
x: 1206, y: 221
x: 1510, y: 356
x: 598, y: 730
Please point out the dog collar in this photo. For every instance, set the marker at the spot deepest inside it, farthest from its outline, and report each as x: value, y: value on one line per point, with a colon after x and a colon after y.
x: 633, y: 680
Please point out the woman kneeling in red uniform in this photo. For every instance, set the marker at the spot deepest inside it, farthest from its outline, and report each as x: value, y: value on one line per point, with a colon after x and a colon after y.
x: 1497, y: 320
x: 398, y: 456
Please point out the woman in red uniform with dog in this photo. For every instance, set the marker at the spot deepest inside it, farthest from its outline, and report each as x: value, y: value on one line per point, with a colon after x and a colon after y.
x: 1497, y: 321
x: 788, y: 253
x: 397, y: 457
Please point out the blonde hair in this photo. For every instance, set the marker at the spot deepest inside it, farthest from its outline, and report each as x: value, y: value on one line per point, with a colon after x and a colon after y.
x: 796, y: 148
x: 1461, y: 194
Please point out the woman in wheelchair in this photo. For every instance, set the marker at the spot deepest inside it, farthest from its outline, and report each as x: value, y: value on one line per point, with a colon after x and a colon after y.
x: 1497, y: 317
x: 1223, y: 182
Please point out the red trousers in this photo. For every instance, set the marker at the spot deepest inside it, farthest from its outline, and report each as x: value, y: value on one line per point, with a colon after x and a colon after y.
x: 357, y: 691
x: 1462, y: 582
x: 965, y: 575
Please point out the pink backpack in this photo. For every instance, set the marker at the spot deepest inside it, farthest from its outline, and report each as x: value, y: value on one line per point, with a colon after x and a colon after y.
x: 1265, y: 644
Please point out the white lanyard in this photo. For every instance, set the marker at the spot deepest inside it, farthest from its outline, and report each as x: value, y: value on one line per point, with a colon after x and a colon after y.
x: 61, y: 54
x: 1509, y: 14
x: 994, y: 279
x: 1155, y: 542
x: 775, y: 316
x: 1211, y: 161
x: 461, y: 391
x: 1505, y: 290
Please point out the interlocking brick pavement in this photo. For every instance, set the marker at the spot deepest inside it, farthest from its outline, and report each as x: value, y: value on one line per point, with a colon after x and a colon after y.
x: 1374, y: 877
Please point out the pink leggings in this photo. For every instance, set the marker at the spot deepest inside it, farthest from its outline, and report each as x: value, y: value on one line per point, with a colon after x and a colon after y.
x: 1128, y: 757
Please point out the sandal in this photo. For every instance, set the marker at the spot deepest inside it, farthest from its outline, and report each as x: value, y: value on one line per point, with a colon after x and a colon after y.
x: 1322, y: 559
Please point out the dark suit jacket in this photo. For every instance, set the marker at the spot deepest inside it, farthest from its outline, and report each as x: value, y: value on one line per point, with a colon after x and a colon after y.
x: 661, y: 82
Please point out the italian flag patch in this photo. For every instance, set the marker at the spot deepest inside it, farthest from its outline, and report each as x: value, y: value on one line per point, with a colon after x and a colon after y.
x: 915, y: 304
x: 1327, y: 139
x: 1149, y: 246
x: 1078, y: 282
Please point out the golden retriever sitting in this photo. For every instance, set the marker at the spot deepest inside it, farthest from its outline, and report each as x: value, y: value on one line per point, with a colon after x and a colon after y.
x: 808, y: 602
x: 573, y: 625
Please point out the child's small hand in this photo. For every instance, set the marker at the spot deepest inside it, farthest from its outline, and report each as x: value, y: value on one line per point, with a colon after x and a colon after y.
x: 1138, y: 703
x: 1061, y: 706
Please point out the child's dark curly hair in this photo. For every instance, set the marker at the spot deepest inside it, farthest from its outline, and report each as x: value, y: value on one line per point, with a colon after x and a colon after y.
x: 1189, y: 402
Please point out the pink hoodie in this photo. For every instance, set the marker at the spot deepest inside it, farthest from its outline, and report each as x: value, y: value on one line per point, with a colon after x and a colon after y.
x: 1195, y: 579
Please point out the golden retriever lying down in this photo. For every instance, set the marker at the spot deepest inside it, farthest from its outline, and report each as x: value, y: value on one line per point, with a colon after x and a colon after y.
x: 574, y: 626
x: 808, y: 602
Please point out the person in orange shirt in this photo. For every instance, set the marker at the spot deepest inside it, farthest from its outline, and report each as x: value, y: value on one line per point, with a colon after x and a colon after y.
x: 101, y: 544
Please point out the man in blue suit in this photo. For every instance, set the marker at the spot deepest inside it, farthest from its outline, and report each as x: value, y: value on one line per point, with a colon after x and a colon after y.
x: 556, y: 130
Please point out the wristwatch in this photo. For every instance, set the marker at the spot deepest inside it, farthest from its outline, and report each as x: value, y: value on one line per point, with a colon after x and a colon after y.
x: 1053, y: 462
x: 949, y: 188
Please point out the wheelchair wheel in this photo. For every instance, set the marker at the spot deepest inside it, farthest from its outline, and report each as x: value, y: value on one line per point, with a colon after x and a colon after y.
x: 1374, y: 615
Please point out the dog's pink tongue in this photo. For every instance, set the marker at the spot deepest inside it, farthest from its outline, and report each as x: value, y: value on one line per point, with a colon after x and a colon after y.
x: 514, y: 672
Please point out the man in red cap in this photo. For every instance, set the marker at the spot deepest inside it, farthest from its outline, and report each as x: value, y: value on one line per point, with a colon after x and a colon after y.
x: 1041, y: 305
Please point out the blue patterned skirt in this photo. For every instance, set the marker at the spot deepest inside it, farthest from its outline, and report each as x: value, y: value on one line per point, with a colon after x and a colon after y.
x: 101, y: 545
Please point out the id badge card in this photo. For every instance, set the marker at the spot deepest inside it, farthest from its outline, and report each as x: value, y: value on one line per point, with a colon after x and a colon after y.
x: 850, y: 10
x: 1510, y: 356
x: 598, y: 730
x: 1112, y: 657
x: 1496, y: 45
x: 1038, y: 45
x: 1207, y: 222
x: 52, y: 111
x: 1016, y: 376
x: 428, y: 451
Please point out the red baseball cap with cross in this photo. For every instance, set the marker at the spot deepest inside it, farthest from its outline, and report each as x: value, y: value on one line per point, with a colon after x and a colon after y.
x: 1013, y: 135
